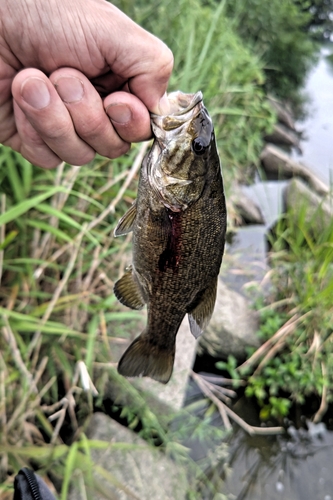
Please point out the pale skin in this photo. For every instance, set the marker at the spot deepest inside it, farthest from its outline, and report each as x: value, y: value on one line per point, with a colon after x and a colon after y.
x: 77, y: 77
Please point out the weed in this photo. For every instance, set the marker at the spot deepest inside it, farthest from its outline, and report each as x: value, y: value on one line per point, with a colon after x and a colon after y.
x: 294, y: 363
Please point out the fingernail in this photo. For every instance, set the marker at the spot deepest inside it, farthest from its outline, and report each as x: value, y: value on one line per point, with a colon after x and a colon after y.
x: 119, y: 113
x: 35, y: 92
x: 164, y: 105
x: 70, y: 89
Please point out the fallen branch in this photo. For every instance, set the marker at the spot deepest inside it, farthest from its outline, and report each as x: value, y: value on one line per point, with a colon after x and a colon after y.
x: 205, y: 388
x: 226, y: 412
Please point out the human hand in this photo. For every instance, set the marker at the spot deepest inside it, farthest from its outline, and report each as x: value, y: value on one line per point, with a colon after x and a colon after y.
x: 62, y: 65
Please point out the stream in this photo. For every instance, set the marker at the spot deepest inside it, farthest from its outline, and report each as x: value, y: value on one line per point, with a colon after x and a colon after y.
x: 298, y: 465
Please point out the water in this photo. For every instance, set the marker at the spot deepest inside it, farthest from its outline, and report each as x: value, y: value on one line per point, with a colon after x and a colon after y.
x: 317, y: 145
x: 297, y: 466
x: 294, y: 466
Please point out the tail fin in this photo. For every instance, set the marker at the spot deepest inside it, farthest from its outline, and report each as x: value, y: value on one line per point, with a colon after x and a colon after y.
x: 147, y: 360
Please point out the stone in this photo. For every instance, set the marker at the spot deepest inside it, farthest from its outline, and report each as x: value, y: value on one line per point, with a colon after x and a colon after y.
x: 249, y: 211
x: 232, y: 328
x: 278, y: 164
x: 282, y: 135
x: 284, y: 114
x: 138, y: 471
x: 318, y: 210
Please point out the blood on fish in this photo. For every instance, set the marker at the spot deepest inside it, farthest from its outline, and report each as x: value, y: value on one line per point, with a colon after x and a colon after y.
x: 169, y: 258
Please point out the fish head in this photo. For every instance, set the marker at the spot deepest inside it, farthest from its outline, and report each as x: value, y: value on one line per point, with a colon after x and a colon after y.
x: 182, y: 150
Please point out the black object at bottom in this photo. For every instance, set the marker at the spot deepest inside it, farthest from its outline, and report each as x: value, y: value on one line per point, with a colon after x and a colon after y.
x: 29, y: 486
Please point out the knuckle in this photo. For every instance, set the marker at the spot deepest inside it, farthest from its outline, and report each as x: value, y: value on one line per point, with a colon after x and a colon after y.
x: 58, y: 132
x: 165, y: 61
x: 50, y: 164
x: 84, y: 159
x: 41, y: 157
x: 117, y: 152
x: 92, y: 129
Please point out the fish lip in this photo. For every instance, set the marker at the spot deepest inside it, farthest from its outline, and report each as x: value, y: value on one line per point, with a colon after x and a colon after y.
x: 183, y: 108
x: 180, y: 104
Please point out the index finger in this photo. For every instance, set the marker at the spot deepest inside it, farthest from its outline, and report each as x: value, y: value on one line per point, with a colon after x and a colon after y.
x: 150, y: 84
x: 143, y: 61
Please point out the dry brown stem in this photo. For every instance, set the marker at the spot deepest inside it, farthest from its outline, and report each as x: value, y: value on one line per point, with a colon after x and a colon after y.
x: 35, y: 340
x: 226, y: 412
x: 16, y: 355
x: 131, y: 174
x: 286, y: 329
x: 323, y: 403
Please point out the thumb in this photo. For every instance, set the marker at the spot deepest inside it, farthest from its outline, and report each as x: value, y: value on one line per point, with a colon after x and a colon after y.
x: 151, y: 81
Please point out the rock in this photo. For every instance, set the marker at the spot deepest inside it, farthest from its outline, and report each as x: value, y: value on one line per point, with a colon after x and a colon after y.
x: 140, y: 470
x: 232, y: 328
x: 249, y: 211
x: 282, y: 135
x: 284, y: 114
x: 301, y: 203
x: 280, y: 165
x: 297, y: 196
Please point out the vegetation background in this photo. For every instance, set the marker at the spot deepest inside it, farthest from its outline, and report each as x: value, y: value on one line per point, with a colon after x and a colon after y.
x: 58, y: 257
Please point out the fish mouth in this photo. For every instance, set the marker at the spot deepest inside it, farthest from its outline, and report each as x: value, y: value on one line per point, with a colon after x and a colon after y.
x: 183, y: 107
x: 181, y: 103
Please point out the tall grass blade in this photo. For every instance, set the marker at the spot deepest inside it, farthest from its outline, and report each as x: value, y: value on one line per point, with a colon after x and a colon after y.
x: 208, y: 41
x: 26, y: 205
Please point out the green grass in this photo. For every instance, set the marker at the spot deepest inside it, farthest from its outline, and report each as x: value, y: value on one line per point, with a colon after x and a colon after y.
x: 294, y: 366
x: 59, y: 261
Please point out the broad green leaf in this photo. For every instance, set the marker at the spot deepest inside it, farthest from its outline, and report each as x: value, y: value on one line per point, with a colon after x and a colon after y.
x: 26, y: 205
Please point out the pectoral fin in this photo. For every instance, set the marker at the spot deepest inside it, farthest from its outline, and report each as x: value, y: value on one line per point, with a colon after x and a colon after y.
x: 125, y: 225
x: 128, y: 292
x: 199, y: 316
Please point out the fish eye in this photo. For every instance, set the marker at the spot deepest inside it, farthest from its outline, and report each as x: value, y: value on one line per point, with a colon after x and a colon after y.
x: 199, y: 146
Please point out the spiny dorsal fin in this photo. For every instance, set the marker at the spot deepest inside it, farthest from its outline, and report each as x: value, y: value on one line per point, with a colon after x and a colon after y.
x: 199, y: 317
x: 125, y: 225
x: 128, y: 292
x: 143, y: 359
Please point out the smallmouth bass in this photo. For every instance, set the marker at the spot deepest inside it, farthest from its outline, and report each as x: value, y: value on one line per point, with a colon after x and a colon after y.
x: 179, y: 223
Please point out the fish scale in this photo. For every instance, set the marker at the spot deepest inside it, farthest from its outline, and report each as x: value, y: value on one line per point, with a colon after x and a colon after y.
x: 179, y: 224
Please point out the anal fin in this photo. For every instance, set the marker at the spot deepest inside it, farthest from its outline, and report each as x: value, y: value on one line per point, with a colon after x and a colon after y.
x: 128, y: 292
x: 126, y: 223
x: 199, y: 317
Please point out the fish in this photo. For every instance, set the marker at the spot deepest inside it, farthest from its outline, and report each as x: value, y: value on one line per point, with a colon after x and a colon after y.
x: 179, y: 224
